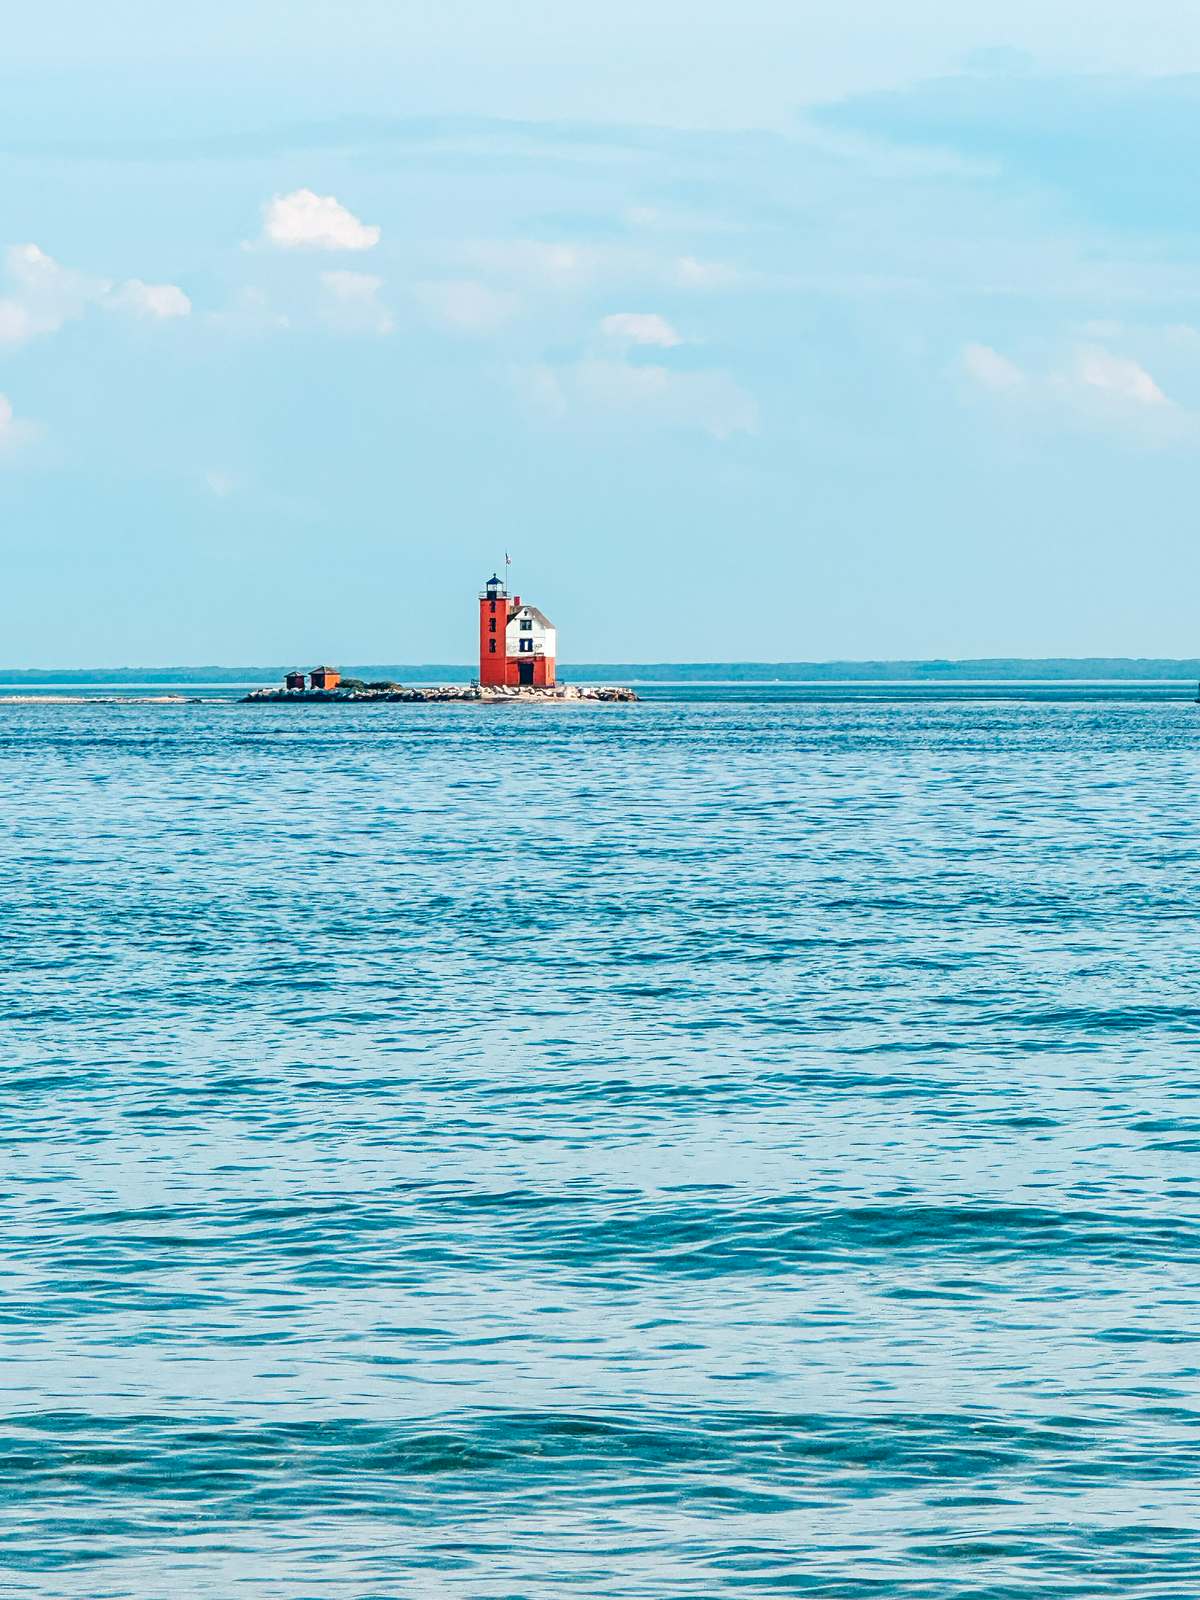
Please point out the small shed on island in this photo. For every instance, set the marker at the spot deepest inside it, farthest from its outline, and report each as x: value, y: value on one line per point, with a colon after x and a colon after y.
x: 324, y: 678
x: 294, y: 680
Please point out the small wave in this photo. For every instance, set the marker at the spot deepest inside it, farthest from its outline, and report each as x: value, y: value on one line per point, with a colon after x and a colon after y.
x: 605, y: 1236
x: 748, y: 1497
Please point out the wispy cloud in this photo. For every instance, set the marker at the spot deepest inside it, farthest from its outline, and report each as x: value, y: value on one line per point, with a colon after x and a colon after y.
x: 564, y: 265
x: 352, y: 303
x: 991, y: 370
x: 640, y: 328
x: 1110, y: 142
x: 304, y: 220
x: 160, y: 302
x: 252, y: 313
x: 689, y: 273
x: 1087, y: 385
x: 468, y: 306
x: 623, y: 393
x: 1117, y: 376
x: 44, y: 296
x: 15, y: 432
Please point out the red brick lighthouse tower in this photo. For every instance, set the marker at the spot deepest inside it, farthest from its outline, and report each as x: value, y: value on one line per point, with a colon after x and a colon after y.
x: 517, y: 643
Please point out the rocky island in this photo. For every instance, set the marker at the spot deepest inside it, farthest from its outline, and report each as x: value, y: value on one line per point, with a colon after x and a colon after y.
x: 353, y: 691
x: 518, y: 645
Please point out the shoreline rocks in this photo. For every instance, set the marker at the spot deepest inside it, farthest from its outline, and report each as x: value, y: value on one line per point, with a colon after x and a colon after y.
x: 442, y: 694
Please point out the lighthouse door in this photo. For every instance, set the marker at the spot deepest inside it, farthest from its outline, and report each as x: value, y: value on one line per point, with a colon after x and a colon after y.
x: 525, y: 669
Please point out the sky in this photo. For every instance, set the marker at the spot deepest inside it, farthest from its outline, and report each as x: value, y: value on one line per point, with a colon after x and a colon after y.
x: 757, y: 332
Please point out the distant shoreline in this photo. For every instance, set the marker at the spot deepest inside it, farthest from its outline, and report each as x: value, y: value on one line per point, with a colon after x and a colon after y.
x: 778, y: 693
x: 1089, y: 669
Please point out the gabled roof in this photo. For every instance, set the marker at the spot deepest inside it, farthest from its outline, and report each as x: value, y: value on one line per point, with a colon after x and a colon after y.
x: 531, y: 611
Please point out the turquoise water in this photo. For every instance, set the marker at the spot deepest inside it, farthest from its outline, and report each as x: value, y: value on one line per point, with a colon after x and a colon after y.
x: 730, y: 1145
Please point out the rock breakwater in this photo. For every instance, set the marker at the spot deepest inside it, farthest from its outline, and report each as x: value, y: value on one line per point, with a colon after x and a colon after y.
x: 441, y: 693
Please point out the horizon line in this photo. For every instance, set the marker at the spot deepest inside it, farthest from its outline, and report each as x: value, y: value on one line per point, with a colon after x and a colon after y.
x: 1008, y: 666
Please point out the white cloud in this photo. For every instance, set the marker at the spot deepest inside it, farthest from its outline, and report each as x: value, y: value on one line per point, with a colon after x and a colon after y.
x: 39, y: 275
x: 990, y: 369
x: 46, y: 296
x: 16, y: 323
x: 14, y: 431
x: 7, y: 418
x: 1088, y: 387
x: 468, y: 306
x: 572, y: 268
x: 159, y: 301
x: 307, y: 221
x: 643, y: 396
x: 642, y: 328
x: 693, y: 274
x: 560, y: 265
x: 352, y: 303
x: 1098, y: 389
x: 1118, y: 377
x: 251, y: 313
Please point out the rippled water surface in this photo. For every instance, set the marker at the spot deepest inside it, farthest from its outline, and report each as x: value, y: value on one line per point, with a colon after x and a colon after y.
x: 710, y: 1147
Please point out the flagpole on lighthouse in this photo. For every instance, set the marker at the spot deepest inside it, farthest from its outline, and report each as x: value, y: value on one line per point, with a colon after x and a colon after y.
x: 507, y: 609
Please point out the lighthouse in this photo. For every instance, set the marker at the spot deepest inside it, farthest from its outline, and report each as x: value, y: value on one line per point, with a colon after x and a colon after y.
x: 517, y: 642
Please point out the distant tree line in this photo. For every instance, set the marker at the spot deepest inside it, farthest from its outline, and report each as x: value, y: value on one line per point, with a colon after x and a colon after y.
x: 996, y: 669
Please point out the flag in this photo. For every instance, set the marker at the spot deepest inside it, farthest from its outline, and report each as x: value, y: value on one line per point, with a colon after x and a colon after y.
x: 507, y: 559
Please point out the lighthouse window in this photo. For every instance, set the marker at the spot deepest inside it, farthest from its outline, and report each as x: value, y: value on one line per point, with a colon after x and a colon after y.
x: 492, y: 624
x: 491, y: 647
x: 526, y: 625
x: 526, y: 644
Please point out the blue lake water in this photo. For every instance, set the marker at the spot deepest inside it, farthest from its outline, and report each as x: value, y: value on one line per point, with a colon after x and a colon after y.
x: 739, y: 1144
